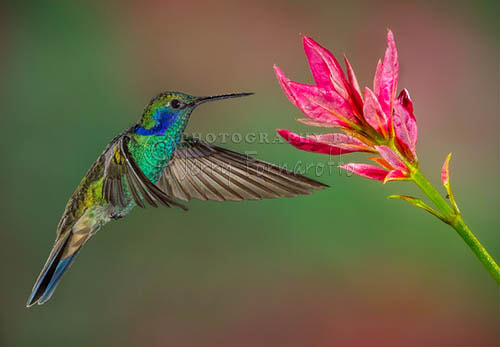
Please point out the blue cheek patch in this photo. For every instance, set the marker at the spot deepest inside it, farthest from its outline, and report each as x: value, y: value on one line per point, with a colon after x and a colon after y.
x: 164, y: 120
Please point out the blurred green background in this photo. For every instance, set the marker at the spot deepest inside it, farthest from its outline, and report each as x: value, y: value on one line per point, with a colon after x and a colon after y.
x: 344, y: 267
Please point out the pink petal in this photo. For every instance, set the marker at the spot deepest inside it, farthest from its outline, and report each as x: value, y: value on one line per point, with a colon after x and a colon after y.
x: 391, y: 157
x: 404, y: 98
x: 343, y: 141
x: 405, y: 124
x: 325, y: 69
x: 445, y: 172
x: 395, y: 175
x: 386, y: 79
x: 376, y: 80
x: 318, y: 104
x: 284, y: 81
x: 366, y: 170
x: 322, y: 105
x: 382, y: 162
x: 307, y: 144
x: 355, y: 91
x: 374, y: 114
x: 309, y: 121
x: 352, y: 77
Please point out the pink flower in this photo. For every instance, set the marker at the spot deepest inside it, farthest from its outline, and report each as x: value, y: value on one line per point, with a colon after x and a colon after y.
x: 375, y: 121
x: 393, y: 168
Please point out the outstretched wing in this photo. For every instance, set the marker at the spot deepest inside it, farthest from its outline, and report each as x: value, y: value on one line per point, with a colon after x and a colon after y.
x: 202, y: 171
x: 122, y: 174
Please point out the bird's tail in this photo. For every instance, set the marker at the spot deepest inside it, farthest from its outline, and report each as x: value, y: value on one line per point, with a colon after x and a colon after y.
x: 62, y: 255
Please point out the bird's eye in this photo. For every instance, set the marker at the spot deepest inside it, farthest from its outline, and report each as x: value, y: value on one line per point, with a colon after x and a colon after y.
x: 175, y: 104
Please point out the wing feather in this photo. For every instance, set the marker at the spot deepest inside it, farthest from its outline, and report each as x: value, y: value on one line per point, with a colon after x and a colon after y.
x: 202, y: 171
x: 120, y: 165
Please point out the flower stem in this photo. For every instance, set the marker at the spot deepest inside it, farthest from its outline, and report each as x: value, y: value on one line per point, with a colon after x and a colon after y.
x: 454, y: 219
x: 432, y: 193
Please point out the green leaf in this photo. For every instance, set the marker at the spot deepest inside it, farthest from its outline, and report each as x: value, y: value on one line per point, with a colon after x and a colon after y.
x: 445, y: 180
x: 419, y: 203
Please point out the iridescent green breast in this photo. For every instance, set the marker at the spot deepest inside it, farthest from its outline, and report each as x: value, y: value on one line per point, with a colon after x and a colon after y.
x: 152, y: 153
x: 153, y: 146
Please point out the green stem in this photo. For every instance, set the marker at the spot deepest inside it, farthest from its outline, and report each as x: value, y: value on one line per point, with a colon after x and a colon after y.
x: 478, y: 249
x: 431, y: 192
x: 454, y: 219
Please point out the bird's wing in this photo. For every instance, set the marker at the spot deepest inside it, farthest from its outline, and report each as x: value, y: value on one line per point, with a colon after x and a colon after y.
x: 121, y: 173
x: 202, y: 171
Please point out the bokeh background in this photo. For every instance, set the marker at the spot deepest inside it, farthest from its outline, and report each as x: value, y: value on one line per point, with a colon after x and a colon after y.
x: 344, y: 267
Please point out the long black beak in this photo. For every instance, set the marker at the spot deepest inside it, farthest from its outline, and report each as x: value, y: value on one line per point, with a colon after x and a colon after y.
x: 201, y: 100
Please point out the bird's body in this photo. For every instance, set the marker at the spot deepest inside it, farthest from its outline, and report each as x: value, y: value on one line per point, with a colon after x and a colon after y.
x: 89, y: 193
x: 152, y: 162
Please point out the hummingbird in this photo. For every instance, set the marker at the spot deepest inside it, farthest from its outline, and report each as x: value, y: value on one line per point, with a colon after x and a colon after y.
x: 153, y: 162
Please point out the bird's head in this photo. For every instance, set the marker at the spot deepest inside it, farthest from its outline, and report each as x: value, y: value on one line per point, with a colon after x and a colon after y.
x: 171, y: 111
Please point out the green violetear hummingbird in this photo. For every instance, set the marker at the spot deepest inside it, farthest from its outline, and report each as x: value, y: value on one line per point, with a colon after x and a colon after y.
x: 154, y: 163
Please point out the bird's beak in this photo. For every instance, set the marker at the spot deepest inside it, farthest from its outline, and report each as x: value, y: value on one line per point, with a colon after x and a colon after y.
x: 203, y: 99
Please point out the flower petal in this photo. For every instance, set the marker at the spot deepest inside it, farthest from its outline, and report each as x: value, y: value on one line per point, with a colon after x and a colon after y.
x: 360, y: 135
x: 374, y: 114
x: 355, y: 91
x: 395, y: 175
x: 404, y: 98
x: 405, y: 125
x: 318, y: 104
x: 284, y: 81
x: 391, y: 157
x: 330, y: 124
x: 325, y: 69
x: 343, y: 141
x: 376, y: 79
x: 365, y: 170
x: 382, y: 162
x: 386, y: 79
x: 307, y: 144
x: 322, y: 105
x: 351, y: 76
